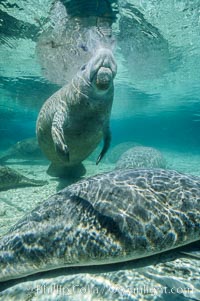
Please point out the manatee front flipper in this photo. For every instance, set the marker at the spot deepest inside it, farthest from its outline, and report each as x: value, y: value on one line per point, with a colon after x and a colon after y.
x: 58, y: 136
x: 106, y: 140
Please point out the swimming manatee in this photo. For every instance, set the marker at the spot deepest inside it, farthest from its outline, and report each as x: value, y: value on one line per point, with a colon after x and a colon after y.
x: 74, y: 120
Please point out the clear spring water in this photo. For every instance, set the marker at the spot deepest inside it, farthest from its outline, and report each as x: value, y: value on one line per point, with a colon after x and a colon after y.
x: 157, y: 87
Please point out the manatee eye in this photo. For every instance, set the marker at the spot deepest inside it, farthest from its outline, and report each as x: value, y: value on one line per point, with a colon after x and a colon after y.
x: 83, y: 67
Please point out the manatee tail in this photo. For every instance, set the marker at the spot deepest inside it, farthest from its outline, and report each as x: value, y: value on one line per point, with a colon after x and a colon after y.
x: 74, y: 171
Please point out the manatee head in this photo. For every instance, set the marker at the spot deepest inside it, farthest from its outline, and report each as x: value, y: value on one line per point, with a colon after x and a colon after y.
x: 101, y: 70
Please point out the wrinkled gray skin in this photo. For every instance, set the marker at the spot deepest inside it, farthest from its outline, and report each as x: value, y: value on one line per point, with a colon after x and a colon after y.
x: 112, y: 217
x: 141, y: 157
x: 73, y: 121
x: 10, y: 178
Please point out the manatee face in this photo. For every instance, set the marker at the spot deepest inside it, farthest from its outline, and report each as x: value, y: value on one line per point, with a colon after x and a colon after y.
x: 101, y: 69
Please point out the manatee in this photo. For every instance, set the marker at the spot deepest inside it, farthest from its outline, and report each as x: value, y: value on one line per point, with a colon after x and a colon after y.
x: 141, y: 157
x: 109, y: 218
x: 73, y: 121
x: 10, y: 178
x: 24, y: 149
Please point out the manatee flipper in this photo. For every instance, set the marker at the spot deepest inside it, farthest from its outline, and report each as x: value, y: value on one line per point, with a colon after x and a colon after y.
x: 106, y: 141
x: 58, y: 136
x: 75, y: 171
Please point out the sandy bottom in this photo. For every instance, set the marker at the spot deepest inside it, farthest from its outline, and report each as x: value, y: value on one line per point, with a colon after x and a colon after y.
x: 14, y: 203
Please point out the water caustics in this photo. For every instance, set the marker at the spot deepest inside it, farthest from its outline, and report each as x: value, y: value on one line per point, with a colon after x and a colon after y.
x: 157, y: 48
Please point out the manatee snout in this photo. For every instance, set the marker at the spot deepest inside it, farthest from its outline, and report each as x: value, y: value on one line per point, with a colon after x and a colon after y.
x: 103, y: 78
x: 102, y: 68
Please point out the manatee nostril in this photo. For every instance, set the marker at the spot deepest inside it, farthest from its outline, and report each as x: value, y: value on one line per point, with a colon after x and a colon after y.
x: 103, y: 62
x: 104, y: 77
x: 84, y: 47
x: 83, y: 67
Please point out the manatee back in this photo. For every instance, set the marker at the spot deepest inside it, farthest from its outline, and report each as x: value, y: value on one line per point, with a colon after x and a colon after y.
x: 141, y: 157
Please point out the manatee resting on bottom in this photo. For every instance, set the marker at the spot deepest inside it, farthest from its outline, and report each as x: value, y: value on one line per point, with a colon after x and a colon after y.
x: 109, y: 218
x: 141, y: 157
x: 10, y: 178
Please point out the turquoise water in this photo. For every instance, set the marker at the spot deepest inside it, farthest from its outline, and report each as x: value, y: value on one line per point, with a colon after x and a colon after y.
x: 156, y: 102
x: 157, y: 87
